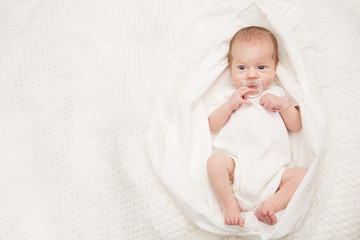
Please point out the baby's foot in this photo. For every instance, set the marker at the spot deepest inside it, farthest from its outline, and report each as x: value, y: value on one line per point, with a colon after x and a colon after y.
x: 233, y: 214
x: 266, y: 213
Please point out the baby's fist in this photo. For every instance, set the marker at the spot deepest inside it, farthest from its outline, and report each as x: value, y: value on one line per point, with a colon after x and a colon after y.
x: 270, y: 102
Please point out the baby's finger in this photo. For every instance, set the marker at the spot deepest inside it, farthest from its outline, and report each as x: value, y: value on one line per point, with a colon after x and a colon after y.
x: 264, y: 98
x: 262, y: 101
x: 265, y: 104
x: 244, y: 90
x: 247, y: 102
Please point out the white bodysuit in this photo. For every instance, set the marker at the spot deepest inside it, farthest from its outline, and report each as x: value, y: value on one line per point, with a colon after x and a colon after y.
x: 258, y: 142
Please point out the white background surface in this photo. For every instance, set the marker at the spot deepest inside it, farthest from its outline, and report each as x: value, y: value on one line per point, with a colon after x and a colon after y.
x: 77, y: 86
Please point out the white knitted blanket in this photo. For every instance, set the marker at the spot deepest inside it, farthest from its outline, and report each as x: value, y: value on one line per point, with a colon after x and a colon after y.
x: 78, y: 84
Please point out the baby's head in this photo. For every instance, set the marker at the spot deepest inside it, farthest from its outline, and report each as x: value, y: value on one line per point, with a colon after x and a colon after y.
x: 253, y: 54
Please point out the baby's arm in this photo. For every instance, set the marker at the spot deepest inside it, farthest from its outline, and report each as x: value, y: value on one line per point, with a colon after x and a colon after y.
x: 291, y: 116
x: 221, y: 115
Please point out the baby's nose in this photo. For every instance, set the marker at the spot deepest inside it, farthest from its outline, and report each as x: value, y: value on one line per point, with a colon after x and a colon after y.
x: 252, y: 74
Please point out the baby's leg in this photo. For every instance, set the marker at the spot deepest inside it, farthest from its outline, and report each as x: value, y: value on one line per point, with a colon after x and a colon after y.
x: 221, y: 173
x: 290, y: 180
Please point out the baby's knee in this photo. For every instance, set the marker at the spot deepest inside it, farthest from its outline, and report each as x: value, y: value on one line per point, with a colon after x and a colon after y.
x: 300, y: 173
x: 215, y: 163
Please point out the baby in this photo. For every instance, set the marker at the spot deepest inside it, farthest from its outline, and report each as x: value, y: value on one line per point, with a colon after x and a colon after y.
x: 248, y: 170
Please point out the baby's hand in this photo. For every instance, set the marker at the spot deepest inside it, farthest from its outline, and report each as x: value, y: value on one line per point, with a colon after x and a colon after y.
x: 239, y: 98
x: 270, y: 102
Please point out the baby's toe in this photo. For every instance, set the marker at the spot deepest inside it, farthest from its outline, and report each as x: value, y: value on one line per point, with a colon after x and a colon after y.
x: 264, y: 213
x: 273, y: 218
x: 241, y: 222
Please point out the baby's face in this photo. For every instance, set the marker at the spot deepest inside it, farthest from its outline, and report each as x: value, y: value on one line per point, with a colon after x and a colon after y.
x: 252, y: 61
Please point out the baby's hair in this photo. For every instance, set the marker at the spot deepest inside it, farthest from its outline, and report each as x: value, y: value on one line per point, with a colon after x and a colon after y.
x: 254, y: 33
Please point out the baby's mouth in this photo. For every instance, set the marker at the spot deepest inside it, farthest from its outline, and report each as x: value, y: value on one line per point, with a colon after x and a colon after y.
x: 255, y: 85
x: 252, y: 86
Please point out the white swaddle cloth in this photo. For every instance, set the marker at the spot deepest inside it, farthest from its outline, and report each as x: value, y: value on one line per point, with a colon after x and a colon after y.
x: 181, y: 117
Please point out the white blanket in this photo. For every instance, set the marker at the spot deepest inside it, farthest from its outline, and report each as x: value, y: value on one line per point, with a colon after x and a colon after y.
x: 78, y: 84
x: 187, y: 137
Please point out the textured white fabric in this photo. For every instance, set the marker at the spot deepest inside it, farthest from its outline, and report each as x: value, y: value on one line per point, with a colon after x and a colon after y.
x: 77, y: 87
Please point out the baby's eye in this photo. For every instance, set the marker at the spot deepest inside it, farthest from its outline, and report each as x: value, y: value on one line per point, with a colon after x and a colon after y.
x: 262, y: 67
x: 242, y: 67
